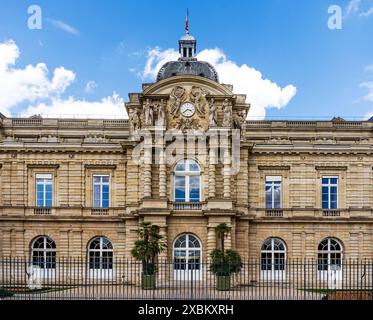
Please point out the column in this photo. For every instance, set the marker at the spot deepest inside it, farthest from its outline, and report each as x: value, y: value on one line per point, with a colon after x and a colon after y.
x: 227, y: 173
x: 212, y: 169
x: 162, y: 175
x: 211, y: 239
x: 147, y: 167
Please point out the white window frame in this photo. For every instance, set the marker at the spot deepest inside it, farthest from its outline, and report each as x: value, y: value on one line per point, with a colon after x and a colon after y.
x: 101, y: 184
x: 273, y: 179
x: 187, y: 174
x: 44, y: 250
x: 100, y: 272
x: 329, y: 193
x: 187, y: 274
x: 274, y: 274
x: 44, y: 184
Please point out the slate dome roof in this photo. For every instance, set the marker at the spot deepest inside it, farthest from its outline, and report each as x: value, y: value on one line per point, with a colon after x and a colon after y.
x: 188, y: 67
x: 187, y: 64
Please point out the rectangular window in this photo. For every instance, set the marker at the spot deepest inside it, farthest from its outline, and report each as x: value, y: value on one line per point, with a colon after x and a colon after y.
x: 329, y: 192
x: 101, y: 191
x: 273, y: 192
x: 44, y: 190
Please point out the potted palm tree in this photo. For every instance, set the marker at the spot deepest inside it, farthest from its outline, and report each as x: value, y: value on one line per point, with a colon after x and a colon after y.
x: 224, y: 262
x: 146, y: 250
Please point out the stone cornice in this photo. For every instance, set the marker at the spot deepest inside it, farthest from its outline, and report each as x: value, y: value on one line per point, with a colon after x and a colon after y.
x: 43, y: 165
x: 100, y: 166
x: 274, y: 167
x: 333, y: 168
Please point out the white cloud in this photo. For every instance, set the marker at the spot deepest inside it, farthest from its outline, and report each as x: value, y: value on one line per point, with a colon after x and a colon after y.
x: 369, y: 86
x: 156, y: 59
x: 90, y: 87
x: 30, y: 83
x: 33, y: 85
x: 109, y: 107
x: 64, y: 26
x: 261, y: 93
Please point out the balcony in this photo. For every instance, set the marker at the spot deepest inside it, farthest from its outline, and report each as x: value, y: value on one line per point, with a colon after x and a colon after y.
x: 331, y: 213
x: 187, y: 206
x: 99, y: 211
x: 313, y: 213
x: 42, y: 211
x: 274, y: 213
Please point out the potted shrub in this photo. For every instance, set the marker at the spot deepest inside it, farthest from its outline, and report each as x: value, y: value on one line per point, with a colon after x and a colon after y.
x: 224, y: 262
x: 146, y: 250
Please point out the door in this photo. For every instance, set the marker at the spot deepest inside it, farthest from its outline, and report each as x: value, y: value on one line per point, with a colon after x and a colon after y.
x: 187, y: 258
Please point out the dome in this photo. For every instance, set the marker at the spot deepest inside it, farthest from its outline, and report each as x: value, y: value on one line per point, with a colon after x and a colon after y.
x: 187, y: 64
x: 188, y: 67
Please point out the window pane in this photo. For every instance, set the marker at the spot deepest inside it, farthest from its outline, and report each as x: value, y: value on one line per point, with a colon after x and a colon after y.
x: 193, y: 167
x: 333, y: 197
x: 96, y: 179
x: 277, y: 196
x: 180, y: 189
x: 268, y: 197
x: 180, y: 166
x: 105, y: 188
x: 105, y: 203
x: 325, y: 205
x: 325, y: 180
x: 194, y: 188
x: 333, y: 180
x: 333, y: 189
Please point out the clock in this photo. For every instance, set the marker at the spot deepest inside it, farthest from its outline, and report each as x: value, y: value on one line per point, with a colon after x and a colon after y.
x: 187, y: 109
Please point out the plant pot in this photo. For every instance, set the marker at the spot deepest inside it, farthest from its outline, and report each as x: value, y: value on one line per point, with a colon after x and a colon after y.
x: 223, y: 283
x: 148, y: 281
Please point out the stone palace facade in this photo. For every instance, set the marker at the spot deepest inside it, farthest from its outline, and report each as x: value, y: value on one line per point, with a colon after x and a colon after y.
x: 80, y: 187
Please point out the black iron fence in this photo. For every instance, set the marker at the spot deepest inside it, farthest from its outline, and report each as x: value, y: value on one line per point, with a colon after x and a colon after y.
x: 77, y: 278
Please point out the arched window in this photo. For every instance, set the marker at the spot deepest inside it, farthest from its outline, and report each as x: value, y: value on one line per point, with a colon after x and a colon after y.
x: 273, y: 259
x: 187, y: 181
x: 100, y: 255
x: 330, y: 255
x: 43, y: 253
x: 187, y: 254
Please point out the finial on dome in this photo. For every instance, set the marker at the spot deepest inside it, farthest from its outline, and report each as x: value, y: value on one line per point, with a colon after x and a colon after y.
x: 187, y: 43
x: 187, y: 22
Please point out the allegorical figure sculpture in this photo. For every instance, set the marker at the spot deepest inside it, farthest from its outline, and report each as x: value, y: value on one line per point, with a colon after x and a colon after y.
x: 227, y: 112
x: 176, y: 99
x: 134, y: 121
x: 213, y: 117
x: 148, y: 113
x: 239, y: 121
x: 161, y: 120
x: 198, y: 97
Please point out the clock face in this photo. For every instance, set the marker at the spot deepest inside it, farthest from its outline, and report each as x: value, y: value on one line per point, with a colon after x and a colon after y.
x: 187, y: 109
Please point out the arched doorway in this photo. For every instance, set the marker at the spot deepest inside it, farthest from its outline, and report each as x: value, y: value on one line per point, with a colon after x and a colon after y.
x: 187, y: 255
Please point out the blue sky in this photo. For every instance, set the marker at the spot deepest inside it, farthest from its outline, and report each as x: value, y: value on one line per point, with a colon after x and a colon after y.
x: 287, y: 41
